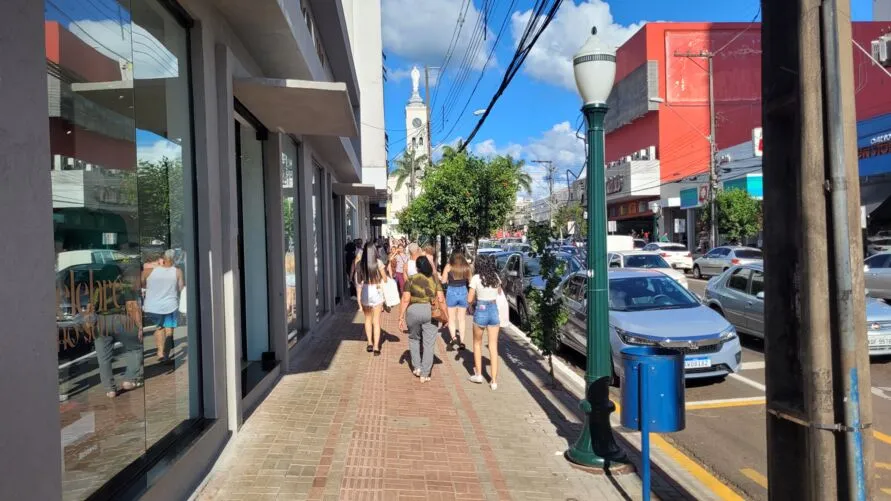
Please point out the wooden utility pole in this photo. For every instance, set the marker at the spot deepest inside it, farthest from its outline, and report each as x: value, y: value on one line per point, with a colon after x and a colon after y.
x: 819, y: 410
x: 712, y: 143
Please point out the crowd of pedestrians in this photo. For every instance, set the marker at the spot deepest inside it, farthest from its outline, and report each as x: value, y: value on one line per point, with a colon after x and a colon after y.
x: 430, y: 300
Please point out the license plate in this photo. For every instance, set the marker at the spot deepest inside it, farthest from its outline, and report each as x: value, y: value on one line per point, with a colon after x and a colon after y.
x: 880, y: 340
x: 697, y: 363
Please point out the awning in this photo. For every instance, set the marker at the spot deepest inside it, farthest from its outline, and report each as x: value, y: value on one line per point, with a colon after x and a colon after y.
x: 299, y: 106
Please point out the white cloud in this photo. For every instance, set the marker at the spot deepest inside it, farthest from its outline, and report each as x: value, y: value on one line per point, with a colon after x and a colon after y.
x: 150, y: 58
x: 550, y: 60
x: 558, y: 144
x: 159, y: 150
x: 421, y: 31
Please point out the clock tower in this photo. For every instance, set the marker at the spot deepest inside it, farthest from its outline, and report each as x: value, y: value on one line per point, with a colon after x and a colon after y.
x: 417, y: 136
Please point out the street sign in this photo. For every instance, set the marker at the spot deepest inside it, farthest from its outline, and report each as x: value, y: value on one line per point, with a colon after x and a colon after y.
x: 758, y: 141
x: 611, y: 226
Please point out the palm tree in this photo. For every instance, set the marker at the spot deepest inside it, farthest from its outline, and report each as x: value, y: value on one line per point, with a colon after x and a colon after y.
x: 407, y: 163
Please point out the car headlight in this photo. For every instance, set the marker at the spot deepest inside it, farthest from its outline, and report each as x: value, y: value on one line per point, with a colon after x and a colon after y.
x: 727, y: 334
x: 631, y: 338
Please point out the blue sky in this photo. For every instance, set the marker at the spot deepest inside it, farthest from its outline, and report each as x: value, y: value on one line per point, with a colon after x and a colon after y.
x: 538, y: 114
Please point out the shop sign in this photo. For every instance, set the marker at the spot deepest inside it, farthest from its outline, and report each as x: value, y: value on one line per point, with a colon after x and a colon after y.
x: 615, y: 184
x: 690, y: 198
x: 878, y: 145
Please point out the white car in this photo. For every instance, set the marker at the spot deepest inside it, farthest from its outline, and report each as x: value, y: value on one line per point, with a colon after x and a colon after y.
x: 677, y: 255
x: 645, y: 260
x: 878, y: 246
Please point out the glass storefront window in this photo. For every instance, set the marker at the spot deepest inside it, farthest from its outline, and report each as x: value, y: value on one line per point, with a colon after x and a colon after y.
x: 121, y: 170
x: 293, y: 310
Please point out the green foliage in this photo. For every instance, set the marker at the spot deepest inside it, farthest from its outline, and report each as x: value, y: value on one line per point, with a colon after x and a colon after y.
x: 550, y: 315
x: 464, y: 196
x: 161, y: 200
x: 739, y: 215
x: 408, y: 162
x: 574, y: 212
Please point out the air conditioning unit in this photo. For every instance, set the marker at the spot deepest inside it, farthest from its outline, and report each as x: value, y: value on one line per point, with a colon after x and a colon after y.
x: 881, y: 50
x: 642, y: 155
x: 628, y: 159
x: 635, y: 155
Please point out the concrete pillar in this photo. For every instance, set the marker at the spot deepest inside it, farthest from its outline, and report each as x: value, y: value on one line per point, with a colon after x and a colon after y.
x: 305, y: 258
x: 30, y: 448
x: 692, y: 235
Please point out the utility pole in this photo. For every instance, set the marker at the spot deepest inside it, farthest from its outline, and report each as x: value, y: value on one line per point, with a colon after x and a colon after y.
x: 712, y: 144
x: 427, y: 105
x: 549, y: 165
x: 819, y: 409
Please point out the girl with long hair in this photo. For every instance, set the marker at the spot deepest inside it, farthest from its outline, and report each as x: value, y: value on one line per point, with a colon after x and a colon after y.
x: 456, y: 275
x: 484, y: 287
x: 370, y: 274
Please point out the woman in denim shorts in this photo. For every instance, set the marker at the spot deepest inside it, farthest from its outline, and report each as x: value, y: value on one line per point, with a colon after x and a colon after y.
x: 457, y: 275
x: 484, y: 287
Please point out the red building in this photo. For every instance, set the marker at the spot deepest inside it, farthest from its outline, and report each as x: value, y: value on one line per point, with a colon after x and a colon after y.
x: 656, y: 65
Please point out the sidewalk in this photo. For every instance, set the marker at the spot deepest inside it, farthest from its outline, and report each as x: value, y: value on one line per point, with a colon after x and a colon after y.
x: 345, y: 425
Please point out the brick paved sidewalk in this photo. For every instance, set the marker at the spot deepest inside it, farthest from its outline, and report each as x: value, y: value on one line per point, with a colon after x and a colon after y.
x: 345, y: 425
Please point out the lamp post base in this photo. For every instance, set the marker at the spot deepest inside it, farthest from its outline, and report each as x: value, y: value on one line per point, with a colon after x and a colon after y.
x: 596, y: 447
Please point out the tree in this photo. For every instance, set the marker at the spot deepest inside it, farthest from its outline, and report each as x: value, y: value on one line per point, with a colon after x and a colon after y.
x: 158, y: 191
x: 571, y: 212
x: 550, y: 314
x: 407, y: 163
x: 739, y: 215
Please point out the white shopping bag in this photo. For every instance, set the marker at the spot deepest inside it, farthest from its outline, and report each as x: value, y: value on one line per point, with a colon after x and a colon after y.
x: 183, y: 301
x: 391, y: 293
x: 503, y: 309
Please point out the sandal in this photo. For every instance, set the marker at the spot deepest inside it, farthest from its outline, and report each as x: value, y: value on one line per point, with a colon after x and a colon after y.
x: 369, y: 348
x: 111, y: 394
x: 416, y: 372
x: 377, y: 353
x: 461, y: 346
x: 130, y: 386
x: 425, y: 379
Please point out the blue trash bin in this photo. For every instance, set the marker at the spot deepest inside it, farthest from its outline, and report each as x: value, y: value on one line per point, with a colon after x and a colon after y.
x: 662, y: 370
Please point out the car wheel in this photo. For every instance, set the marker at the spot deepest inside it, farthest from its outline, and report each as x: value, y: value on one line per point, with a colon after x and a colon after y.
x: 697, y: 274
x: 717, y: 309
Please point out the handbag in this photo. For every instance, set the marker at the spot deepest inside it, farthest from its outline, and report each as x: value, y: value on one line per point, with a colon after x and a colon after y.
x: 438, y: 313
x: 503, y: 309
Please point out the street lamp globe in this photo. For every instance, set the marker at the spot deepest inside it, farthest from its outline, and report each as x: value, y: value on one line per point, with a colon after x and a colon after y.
x: 594, y: 66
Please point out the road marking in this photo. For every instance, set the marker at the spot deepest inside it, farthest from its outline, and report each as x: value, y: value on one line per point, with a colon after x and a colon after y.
x: 883, y: 466
x: 754, y: 476
x: 886, y: 490
x: 725, y: 402
x: 751, y: 366
x: 745, y: 380
x: 881, y: 392
x: 882, y: 437
x: 700, y: 473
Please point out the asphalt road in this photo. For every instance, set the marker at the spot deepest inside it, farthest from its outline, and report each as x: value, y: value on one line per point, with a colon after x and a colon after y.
x: 726, y: 421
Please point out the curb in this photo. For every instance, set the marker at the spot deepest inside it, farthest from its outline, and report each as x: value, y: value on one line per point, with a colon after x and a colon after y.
x: 684, y: 472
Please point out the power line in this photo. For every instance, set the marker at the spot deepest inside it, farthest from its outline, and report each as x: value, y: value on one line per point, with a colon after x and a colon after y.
x: 519, y: 56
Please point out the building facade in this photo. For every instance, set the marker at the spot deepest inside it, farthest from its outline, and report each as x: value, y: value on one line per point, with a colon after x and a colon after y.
x: 659, y: 112
x: 881, y: 10
x: 178, y: 184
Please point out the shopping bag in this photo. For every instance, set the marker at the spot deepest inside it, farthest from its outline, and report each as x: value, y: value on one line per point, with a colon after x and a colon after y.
x: 503, y: 309
x: 391, y: 293
x: 183, y: 301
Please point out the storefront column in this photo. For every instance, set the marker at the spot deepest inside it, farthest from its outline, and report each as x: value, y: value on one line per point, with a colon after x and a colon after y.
x: 692, y: 235
x: 339, y: 243
x: 275, y: 248
x: 304, y: 214
x: 30, y: 450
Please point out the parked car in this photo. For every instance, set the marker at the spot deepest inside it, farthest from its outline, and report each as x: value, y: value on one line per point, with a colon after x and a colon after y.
x: 488, y: 250
x: 522, y: 273
x: 878, y: 245
x: 639, y: 243
x: 518, y: 247
x: 877, y: 275
x: 648, y: 308
x: 879, y: 235
x: 647, y: 260
x: 677, y: 255
x: 619, y: 243
x: 720, y: 259
x: 738, y: 295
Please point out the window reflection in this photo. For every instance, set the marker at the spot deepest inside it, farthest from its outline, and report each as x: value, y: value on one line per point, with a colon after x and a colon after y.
x: 292, y: 297
x: 120, y: 139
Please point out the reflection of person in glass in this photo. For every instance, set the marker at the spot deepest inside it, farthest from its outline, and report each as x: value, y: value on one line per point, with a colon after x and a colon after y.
x: 162, y: 284
x: 116, y: 317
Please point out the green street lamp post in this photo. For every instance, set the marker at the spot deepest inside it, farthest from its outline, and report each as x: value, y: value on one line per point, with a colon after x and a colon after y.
x: 595, y: 70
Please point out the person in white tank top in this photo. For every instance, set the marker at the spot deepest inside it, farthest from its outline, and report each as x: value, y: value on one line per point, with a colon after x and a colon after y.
x: 162, y: 285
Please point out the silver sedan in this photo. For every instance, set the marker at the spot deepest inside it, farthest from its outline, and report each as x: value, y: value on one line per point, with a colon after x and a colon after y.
x: 738, y: 294
x: 719, y: 259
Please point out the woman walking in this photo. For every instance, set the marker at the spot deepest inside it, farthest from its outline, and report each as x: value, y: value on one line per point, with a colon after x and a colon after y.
x: 397, y: 266
x: 370, y: 274
x: 484, y: 288
x: 162, y: 284
x: 422, y: 291
x: 456, y: 275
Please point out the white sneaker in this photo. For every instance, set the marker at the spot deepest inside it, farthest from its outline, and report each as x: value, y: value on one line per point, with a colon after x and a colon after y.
x: 476, y: 378
x: 494, y: 386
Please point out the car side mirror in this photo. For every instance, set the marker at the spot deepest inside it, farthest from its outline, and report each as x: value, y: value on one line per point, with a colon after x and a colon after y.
x: 760, y: 295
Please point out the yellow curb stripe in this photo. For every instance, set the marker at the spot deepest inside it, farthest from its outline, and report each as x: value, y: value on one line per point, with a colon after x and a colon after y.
x: 700, y: 473
x: 886, y: 490
x: 882, y: 437
x: 692, y: 406
x: 883, y: 466
x: 754, y: 476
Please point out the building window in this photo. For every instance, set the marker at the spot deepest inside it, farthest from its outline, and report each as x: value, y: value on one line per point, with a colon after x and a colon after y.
x: 124, y: 229
x: 293, y: 296
x: 421, y: 141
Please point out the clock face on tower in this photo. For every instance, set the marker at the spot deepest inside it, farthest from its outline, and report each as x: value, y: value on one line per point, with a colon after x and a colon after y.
x: 416, y: 122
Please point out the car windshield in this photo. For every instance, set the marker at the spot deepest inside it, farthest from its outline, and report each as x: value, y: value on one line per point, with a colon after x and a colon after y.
x: 500, y: 261
x: 673, y: 247
x: 532, y: 266
x: 645, y: 261
x: 649, y: 293
x: 749, y: 254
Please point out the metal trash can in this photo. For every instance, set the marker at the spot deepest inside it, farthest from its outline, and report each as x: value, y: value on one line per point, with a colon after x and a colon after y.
x: 653, y: 389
